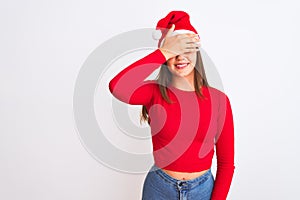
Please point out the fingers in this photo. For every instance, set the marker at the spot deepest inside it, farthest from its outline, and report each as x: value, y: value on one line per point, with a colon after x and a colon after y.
x: 192, y: 46
x: 188, y: 35
x: 192, y: 42
x: 190, y: 39
x: 187, y: 51
x: 180, y: 43
x: 191, y: 49
x: 170, y: 31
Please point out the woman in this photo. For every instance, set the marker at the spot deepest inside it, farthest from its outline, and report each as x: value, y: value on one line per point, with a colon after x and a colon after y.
x: 187, y: 117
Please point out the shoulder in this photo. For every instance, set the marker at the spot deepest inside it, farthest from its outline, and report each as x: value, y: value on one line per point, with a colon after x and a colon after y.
x: 214, y: 91
x: 217, y: 96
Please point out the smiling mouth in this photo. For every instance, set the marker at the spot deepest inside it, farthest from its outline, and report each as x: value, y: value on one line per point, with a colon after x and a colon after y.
x: 181, y: 65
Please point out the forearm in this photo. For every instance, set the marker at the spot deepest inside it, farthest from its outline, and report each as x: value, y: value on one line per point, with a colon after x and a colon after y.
x: 132, y: 77
x: 224, y: 151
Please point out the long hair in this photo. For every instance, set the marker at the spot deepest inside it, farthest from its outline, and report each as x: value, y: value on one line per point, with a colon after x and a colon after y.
x: 164, y: 78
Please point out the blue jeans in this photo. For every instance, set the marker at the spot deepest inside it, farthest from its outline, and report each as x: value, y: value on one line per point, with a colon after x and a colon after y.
x: 158, y: 185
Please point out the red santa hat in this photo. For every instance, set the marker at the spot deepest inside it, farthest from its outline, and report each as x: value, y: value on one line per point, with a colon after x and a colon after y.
x: 182, y: 25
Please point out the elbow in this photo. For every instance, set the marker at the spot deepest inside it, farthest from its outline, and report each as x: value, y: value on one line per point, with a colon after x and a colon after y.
x: 111, y: 85
x: 117, y: 92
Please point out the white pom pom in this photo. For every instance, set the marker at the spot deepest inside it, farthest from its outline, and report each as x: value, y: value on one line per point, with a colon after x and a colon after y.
x: 156, y: 34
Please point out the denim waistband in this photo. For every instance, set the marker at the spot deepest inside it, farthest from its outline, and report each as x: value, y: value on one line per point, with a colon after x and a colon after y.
x: 181, y: 183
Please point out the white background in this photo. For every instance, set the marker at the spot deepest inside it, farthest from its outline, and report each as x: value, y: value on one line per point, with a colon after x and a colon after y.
x: 253, y: 44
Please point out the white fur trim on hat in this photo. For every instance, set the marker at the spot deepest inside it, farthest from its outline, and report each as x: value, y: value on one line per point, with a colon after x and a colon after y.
x: 182, y: 31
x: 156, y: 34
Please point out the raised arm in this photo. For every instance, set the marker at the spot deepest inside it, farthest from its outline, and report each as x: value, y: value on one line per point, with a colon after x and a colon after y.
x: 129, y: 85
x: 224, y: 151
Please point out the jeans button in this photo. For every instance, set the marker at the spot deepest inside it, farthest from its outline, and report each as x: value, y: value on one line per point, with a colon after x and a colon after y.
x: 181, y: 184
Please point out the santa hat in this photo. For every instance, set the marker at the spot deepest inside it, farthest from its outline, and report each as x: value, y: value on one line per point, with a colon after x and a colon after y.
x: 182, y: 25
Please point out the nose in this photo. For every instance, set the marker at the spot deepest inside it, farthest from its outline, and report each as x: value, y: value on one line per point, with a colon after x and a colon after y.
x: 179, y: 57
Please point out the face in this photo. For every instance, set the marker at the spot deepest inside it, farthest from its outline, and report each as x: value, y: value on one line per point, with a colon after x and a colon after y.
x: 182, y: 65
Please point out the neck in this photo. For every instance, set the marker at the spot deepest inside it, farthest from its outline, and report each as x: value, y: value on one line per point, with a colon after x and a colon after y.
x: 184, y: 83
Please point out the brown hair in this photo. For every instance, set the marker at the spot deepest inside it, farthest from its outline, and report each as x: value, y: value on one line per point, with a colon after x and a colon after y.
x: 164, y: 77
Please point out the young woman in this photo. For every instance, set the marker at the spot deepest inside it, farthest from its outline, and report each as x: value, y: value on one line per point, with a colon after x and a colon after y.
x: 187, y: 117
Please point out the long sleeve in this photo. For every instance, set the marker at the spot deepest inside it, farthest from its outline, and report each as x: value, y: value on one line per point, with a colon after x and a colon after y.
x: 224, y: 151
x: 129, y: 85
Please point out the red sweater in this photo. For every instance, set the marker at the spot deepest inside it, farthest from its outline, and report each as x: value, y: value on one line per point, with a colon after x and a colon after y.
x: 185, y: 132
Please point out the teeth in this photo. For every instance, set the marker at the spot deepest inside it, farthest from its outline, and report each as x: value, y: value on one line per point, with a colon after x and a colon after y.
x: 181, y: 65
